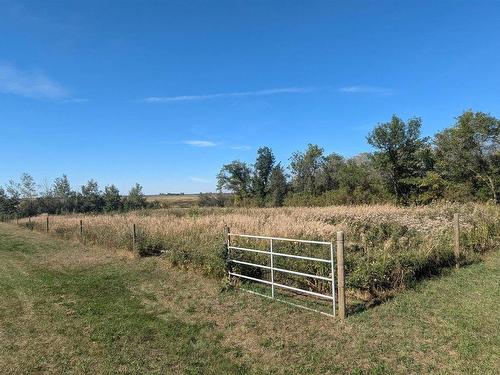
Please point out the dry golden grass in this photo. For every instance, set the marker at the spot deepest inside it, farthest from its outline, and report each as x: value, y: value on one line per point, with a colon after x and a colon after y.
x: 92, y: 310
x: 388, y: 247
x: 174, y: 200
x: 309, y: 223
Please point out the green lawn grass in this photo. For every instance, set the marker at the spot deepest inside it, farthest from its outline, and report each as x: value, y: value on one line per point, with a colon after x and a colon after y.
x: 66, y: 308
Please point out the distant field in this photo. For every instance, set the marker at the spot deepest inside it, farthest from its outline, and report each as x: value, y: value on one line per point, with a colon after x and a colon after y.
x: 67, y: 308
x: 174, y: 200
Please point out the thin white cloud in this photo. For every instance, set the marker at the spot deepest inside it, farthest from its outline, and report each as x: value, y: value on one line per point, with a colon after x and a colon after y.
x: 240, y: 147
x: 29, y: 84
x: 362, y: 89
x: 75, y: 100
x: 202, y: 180
x: 198, y: 143
x: 185, y: 98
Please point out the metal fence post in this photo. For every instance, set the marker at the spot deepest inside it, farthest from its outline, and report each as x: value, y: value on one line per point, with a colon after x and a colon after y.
x: 272, y: 269
x: 332, y: 264
x: 47, y: 224
x: 17, y: 220
x: 456, y: 239
x: 340, y: 274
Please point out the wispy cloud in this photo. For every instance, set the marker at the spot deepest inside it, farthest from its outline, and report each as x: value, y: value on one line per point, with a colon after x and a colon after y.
x: 363, y: 89
x: 29, y: 84
x: 75, y: 100
x: 200, y: 179
x: 266, y: 92
x: 198, y: 143
x: 240, y: 147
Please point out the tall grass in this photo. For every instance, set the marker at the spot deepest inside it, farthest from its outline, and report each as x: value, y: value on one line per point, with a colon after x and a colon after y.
x: 387, y: 248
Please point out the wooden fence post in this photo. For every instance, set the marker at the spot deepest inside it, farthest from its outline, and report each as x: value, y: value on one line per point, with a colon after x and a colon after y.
x: 81, y: 230
x: 17, y: 220
x: 227, y: 243
x: 134, y: 237
x: 341, y: 274
x: 47, y: 224
x: 456, y: 239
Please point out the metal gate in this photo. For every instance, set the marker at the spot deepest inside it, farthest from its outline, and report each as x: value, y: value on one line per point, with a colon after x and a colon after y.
x: 272, y: 254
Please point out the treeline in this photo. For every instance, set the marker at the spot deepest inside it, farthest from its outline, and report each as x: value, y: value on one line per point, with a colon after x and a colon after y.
x: 24, y: 198
x: 460, y: 163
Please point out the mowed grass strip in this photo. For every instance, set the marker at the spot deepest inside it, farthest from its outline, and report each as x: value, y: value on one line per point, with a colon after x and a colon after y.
x: 86, y: 319
x: 66, y: 308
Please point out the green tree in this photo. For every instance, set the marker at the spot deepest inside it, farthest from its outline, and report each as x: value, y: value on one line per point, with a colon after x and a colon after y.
x: 62, y: 187
x: 262, y: 172
x: 329, y: 176
x: 90, y: 199
x: 28, y: 192
x: 306, y: 169
x: 235, y: 177
x: 46, y: 199
x: 135, y: 199
x: 468, y: 156
x: 432, y: 188
x: 62, y: 192
x: 402, y: 155
x: 112, y: 199
x: 14, y: 196
x: 4, y: 205
x: 277, y: 186
x: 359, y: 182
x: 28, y: 187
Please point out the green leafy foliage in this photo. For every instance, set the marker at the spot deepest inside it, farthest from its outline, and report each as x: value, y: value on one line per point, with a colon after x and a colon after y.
x: 468, y: 157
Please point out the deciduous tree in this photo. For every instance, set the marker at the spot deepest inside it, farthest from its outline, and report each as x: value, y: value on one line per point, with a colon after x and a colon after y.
x: 401, y: 155
x: 112, y: 199
x: 468, y: 155
x: 135, y: 199
x: 235, y: 177
x: 277, y: 186
x: 306, y: 170
x: 262, y: 172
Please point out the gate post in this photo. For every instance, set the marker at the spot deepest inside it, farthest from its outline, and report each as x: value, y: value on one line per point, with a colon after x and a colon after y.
x: 272, y: 269
x: 227, y: 243
x: 456, y: 239
x: 332, y: 266
x: 340, y: 274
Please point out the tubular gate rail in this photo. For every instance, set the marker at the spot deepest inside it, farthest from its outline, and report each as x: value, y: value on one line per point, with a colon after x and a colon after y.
x: 272, y: 254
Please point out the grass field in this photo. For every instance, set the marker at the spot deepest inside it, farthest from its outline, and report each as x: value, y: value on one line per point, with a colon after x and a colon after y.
x: 174, y: 200
x: 66, y: 308
x: 388, y: 248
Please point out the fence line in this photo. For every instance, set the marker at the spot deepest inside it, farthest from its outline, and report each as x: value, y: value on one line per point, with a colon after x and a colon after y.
x: 340, y: 286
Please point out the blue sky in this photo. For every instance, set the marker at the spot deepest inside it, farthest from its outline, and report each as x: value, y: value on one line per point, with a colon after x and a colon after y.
x: 165, y: 92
